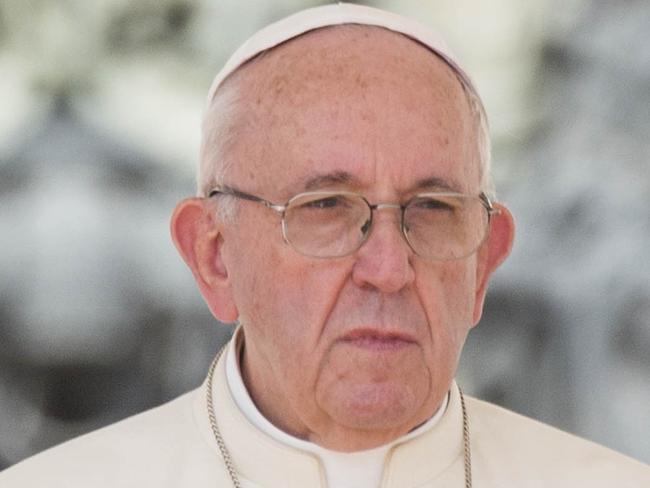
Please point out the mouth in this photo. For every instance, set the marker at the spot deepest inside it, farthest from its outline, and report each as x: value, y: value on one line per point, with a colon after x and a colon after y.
x: 374, y: 339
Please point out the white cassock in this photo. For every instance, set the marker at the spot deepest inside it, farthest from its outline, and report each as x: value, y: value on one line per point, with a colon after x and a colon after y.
x: 174, y: 446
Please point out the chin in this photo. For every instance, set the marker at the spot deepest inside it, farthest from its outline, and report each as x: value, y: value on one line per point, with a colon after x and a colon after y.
x: 369, y: 389
x: 377, y: 406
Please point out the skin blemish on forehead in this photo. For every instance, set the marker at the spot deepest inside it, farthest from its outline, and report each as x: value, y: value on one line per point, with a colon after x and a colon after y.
x: 279, y: 84
x: 361, y: 81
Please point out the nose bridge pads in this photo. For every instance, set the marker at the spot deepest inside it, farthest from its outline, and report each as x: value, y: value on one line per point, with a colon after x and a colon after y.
x: 366, y: 227
x: 401, y: 224
x: 404, y: 227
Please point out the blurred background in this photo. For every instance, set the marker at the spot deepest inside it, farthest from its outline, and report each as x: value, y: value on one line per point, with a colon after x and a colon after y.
x: 99, y: 133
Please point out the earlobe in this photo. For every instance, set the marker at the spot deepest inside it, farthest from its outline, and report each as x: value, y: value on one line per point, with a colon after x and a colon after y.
x: 199, y: 240
x: 494, y: 251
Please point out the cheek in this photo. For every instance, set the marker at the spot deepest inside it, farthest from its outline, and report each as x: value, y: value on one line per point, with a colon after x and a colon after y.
x: 459, y: 286
x: 447, y: 295
x: 283, y: 298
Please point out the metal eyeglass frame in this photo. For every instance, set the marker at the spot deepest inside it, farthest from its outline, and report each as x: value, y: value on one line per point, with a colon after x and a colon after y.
x: 281, y: 209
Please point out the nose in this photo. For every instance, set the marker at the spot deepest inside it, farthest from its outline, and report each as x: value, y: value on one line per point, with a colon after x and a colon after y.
x: 383, y: 262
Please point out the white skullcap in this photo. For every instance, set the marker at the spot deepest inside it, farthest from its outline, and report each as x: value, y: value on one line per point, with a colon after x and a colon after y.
x: 330, y: 15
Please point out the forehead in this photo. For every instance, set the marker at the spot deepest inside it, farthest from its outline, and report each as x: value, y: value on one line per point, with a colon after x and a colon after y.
x: 355, y: 100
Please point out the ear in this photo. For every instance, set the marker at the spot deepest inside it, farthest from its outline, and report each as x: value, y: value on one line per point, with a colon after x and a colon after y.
x: 198, y: 236
x: 492, y: 253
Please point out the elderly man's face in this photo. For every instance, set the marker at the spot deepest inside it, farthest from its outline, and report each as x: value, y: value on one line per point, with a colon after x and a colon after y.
x: 354, y: 351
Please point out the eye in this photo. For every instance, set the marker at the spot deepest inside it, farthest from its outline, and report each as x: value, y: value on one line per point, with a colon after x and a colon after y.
x: 330, y: 202
x: 433, y: 204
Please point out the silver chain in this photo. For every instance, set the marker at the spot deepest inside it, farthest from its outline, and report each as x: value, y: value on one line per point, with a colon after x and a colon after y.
x: 230, y: 466
x: 466, y: 447
x: 227, y: 459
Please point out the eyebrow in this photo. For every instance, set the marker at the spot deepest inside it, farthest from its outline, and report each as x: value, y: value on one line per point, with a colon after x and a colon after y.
x: 338, y: 178
x: 435, y: 183
x: 330, y: 179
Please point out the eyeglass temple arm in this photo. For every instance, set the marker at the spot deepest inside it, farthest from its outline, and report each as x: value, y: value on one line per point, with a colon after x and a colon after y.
x: 488, y: 204
x: 246, y: 196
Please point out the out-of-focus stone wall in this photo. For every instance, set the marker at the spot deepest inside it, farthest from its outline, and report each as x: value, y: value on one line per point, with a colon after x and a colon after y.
x: 566, y: 334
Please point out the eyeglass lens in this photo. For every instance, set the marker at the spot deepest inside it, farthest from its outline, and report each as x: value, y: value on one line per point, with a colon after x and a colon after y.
x: 335, y: 224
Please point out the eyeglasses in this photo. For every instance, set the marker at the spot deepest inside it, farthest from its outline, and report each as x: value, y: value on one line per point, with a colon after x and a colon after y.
x: 331, y: 224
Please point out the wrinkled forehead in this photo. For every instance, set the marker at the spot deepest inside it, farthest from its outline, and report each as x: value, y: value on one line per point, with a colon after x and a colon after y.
x: 343, y: 56
x: 345, y: 98
x: 240, y: 96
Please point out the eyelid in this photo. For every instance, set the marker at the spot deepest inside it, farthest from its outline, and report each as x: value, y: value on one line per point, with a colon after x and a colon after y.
x: 444, y: 196
x: 322, y: 194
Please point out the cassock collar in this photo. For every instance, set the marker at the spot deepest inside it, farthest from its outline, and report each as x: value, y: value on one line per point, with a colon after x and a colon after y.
x: 265, y: 461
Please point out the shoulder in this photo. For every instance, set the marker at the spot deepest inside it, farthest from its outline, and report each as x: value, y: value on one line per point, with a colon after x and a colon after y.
x: 139, y: 451
x: 506, y: 445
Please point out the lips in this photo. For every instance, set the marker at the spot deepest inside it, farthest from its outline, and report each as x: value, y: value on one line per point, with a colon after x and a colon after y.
x: 378, y: 340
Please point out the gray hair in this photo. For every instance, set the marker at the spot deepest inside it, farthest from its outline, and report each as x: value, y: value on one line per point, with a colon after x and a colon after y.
x: 219, y: 133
